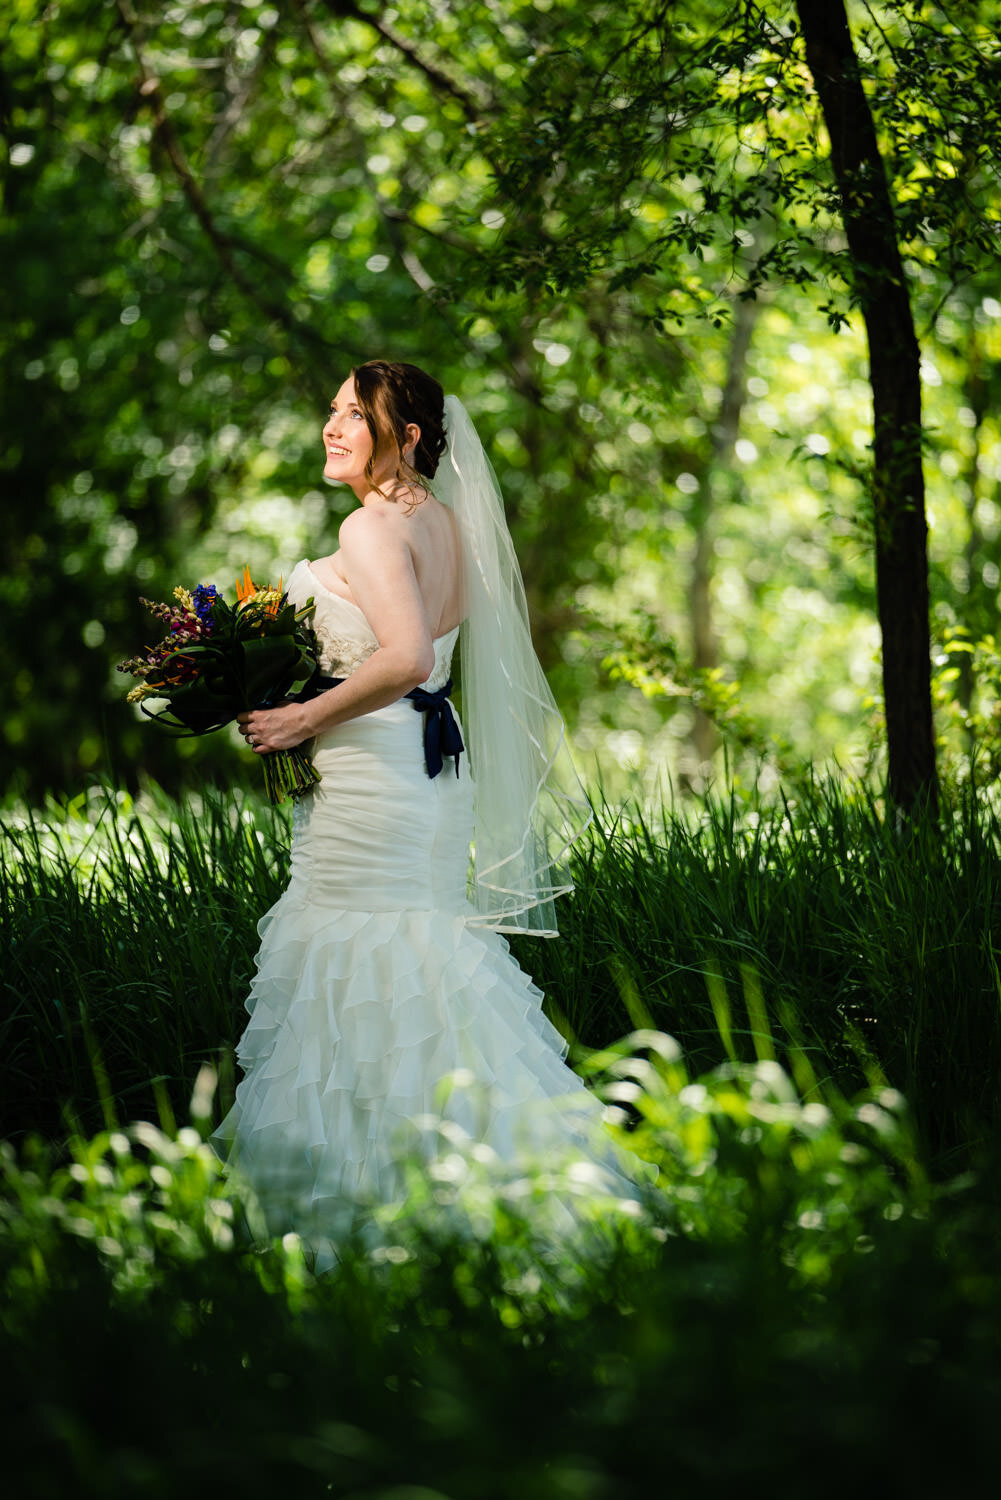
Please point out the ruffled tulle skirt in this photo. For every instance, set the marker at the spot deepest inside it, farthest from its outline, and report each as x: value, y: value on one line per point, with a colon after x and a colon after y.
x: 377, y: 1010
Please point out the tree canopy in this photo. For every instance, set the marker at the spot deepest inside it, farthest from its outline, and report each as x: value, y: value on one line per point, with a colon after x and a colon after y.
x: 567, y: 212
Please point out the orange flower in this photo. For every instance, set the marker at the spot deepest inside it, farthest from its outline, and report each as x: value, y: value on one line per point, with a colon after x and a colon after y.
x: 247, y: 589
x: 248, y: 592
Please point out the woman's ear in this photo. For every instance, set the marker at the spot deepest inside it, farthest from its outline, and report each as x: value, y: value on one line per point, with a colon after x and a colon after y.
x: 413, y: 438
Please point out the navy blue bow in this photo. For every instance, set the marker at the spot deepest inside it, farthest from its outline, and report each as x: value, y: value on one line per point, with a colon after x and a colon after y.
x: 441, y: 732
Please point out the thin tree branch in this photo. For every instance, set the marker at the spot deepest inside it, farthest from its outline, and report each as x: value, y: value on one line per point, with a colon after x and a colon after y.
x: 224, y: 244
x: 391, y: 216
x: 878, y: 26
x: 440, y: 236
x: 229, y: 117
x: 474, y: 101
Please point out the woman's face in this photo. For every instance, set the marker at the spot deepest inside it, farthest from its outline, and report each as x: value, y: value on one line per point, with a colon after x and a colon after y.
x: 346, y: 439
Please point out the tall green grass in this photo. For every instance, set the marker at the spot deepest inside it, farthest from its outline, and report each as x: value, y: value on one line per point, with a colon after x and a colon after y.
x: 129, y: 930
x: 808, y: 925
x: 799, y: 1302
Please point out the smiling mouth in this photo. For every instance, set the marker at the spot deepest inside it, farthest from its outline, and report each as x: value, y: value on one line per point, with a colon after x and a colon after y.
x: 338, y: 452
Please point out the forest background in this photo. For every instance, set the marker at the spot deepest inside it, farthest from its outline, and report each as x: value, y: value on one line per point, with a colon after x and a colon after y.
x: 612, y: 230
x: 627, y: 235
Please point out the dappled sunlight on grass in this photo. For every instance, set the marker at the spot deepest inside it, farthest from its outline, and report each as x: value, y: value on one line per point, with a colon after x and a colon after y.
x: 107, y: 834
x: 761, y: 979
x: 809, y: 926
x: 805, y: 926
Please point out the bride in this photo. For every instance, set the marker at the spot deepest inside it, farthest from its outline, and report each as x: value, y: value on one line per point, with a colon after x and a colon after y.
x: 385, y: 996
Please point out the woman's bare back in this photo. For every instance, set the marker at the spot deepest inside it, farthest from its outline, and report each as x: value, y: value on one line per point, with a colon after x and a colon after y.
x: 433, y: 540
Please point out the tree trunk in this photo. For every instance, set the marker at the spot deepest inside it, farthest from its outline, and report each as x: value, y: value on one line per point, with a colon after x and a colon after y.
x: 976, y: 391
x: 894, y: 374
x: 716, y: 480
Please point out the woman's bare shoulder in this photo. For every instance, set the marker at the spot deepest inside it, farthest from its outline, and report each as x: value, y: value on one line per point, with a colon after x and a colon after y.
x: 370, y: 525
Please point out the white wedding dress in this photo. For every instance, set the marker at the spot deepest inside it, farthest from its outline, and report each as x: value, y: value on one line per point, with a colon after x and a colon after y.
x: 377, y: 1006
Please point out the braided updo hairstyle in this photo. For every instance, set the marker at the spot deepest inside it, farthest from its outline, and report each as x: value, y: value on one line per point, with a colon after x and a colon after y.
x: 392, y: 395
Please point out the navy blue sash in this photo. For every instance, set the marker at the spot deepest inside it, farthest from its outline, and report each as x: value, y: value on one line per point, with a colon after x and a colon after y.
x: 441, y: 732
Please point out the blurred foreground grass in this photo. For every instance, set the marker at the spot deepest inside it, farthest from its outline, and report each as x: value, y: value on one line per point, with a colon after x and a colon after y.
x: 794, y: 1305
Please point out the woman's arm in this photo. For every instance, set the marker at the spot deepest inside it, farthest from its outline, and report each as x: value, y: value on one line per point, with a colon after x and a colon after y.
x: 379, y: 568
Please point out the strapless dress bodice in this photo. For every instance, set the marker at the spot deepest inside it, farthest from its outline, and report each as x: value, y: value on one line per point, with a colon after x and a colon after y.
x: 345, y: 637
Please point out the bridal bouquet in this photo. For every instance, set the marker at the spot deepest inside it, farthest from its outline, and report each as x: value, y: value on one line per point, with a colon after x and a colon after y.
x: 219, y: 659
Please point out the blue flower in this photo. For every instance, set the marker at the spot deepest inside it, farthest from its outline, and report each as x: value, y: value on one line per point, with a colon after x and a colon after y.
x: 203, y: 598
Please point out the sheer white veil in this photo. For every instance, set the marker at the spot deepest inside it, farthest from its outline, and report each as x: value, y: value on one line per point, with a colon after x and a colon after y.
x: 529, y: 805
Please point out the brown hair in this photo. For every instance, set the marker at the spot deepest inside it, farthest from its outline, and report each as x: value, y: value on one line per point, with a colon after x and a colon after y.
x: 391, y: 396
